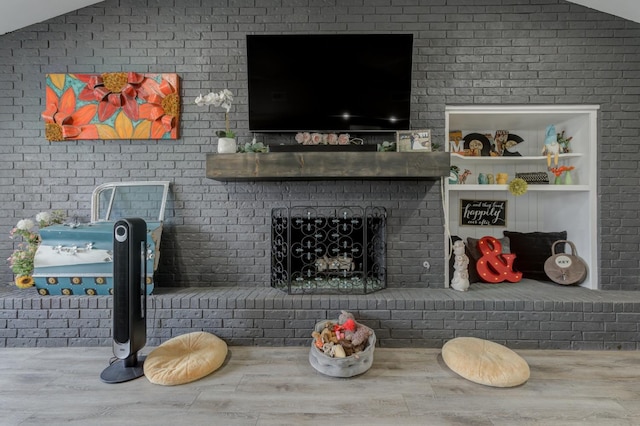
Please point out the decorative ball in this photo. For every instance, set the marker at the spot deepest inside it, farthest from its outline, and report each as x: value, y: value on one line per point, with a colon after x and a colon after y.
x: 518, y: 186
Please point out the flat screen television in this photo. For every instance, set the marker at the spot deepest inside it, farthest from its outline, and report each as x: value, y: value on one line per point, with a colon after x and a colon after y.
x: 329, y: 82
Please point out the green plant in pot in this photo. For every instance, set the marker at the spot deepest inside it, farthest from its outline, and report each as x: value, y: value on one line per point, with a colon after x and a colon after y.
x: 227, y: 138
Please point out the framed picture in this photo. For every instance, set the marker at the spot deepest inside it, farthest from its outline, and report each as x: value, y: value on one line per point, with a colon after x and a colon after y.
x: 413, y: 140
x: 483, y: 213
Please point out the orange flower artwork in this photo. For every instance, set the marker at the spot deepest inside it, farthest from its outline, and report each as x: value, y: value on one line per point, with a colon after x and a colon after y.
x: 163, y: 105
x: 117, y: 105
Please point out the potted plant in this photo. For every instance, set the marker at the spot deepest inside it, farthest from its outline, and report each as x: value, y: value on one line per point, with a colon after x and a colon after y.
x: 227, y: 138
x: 21, y: 260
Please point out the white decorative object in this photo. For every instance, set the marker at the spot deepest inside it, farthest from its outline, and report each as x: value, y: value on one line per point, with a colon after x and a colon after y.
x: 337, y: 263
x: 222, y: 99
x: 460, y: 280
x: 306, y: 138
x: 227, y: 146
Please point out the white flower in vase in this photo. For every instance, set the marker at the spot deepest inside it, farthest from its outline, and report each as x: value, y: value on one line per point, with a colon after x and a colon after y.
x: 223, y: 99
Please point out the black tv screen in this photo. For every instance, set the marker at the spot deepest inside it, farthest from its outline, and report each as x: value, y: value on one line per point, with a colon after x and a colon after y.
x: 329, y: 83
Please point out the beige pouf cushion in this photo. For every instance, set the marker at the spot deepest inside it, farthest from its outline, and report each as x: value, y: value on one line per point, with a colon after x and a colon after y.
x: 185, y: 358
x: 485, y: 362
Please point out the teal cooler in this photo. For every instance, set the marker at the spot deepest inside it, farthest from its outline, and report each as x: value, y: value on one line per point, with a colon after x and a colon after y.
x: 79, y: 259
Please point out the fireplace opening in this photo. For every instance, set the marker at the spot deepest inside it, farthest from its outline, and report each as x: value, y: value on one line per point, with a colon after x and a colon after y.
x: 328, y: 250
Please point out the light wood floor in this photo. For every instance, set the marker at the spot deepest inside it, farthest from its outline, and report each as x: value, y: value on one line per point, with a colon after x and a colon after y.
x: 277, y: 386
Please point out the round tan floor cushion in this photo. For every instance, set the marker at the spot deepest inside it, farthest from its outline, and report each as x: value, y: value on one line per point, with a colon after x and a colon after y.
x: 485, y: 362
x: 185, y: 358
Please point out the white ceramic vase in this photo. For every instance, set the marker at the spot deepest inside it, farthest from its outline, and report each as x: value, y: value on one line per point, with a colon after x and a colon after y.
x: 227, y: 146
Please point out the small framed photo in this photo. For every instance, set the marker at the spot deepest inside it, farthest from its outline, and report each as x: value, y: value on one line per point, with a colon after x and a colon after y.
x: 413, y: 140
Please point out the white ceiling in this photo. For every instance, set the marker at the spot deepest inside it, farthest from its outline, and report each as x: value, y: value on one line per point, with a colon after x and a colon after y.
x: 22, y: 13
x: 627, y: 9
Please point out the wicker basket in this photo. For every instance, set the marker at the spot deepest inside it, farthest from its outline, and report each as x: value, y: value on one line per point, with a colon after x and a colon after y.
x: 342, y: 367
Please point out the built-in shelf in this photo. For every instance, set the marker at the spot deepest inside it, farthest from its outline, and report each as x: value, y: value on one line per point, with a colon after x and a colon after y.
x: 328, y: 165
x: 544, y: 207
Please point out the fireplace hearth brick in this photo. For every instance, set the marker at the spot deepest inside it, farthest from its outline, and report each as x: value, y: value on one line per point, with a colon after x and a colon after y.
x: 527, y: 315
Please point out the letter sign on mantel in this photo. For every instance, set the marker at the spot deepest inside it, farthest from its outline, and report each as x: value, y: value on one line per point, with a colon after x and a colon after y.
x: 483, y: 212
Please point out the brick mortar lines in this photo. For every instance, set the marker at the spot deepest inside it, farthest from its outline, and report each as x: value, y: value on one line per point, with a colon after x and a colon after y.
x: 493, y: 52
x: 503, y: 52
x: 274, y: 327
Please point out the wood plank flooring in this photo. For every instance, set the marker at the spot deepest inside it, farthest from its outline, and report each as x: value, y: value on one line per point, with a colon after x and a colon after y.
x: 277, y: 386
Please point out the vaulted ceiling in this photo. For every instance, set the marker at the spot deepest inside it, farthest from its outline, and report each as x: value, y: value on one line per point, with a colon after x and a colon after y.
x: 22, y: 13
x: 627, y: 9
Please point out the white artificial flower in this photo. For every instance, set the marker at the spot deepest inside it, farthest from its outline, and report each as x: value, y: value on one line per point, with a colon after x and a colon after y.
x: 211, y: 99
x: 316, y: 138
x: 343, y: 139
x: 222, y: 99
x: 43, y: 217
x: 226, y: 99
x: 25, y: 225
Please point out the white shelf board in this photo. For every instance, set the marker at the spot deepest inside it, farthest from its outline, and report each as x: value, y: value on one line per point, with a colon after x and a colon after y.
x: 510, y: 160
x: 557, y: 188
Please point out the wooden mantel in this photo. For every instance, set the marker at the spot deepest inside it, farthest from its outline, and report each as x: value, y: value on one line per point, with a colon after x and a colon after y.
x: 328, y: 165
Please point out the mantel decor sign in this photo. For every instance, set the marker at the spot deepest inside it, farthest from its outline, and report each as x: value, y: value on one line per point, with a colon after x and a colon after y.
x: 483, y: 213
x: 413, y: 140
x: 112, y: 105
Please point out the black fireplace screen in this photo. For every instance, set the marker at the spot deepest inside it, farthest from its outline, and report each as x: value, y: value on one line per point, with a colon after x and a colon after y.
x: 328, y: 250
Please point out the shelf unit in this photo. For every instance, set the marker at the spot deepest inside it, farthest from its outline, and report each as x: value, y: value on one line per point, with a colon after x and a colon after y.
x: 545, y: 207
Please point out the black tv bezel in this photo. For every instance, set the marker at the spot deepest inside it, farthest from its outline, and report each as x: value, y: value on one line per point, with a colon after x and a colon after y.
x: 403, y: 124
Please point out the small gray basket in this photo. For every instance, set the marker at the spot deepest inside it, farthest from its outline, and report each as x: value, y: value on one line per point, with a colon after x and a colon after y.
x: 342, y: 367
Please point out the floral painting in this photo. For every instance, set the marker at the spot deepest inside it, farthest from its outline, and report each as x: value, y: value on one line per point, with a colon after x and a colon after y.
x: 112, y: 105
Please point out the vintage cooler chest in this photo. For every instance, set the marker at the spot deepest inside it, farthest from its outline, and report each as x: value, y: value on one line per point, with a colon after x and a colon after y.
x: 77, y: 258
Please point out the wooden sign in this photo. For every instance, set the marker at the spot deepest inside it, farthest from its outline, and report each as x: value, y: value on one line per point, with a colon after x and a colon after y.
x: 483, y: 212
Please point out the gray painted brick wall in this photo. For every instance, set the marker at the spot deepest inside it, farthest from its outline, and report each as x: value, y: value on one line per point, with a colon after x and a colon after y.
x: 402, y: 318
x: 217, y: 234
